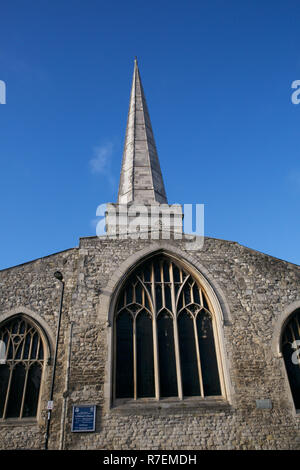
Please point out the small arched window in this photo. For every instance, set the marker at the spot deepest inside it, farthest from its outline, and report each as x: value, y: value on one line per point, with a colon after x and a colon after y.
x: 291, y: 354
x: 164, y: 335
x: 20, y: 368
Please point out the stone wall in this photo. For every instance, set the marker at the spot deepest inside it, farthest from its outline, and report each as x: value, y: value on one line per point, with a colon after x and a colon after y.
x: 253, y: 289
x: 31, y: 289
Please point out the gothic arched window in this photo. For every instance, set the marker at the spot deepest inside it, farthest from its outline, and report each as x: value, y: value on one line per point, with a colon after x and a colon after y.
x: 164, y: 335
x: 291, y: 355
x: 20, y: 368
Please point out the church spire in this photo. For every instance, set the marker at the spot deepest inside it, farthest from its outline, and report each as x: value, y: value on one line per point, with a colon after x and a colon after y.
x: 141, y: 179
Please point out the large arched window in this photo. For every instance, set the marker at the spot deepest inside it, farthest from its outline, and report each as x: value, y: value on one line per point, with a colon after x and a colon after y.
x: 165, y: 335
x: 291, y: 354
x: 20, y: 369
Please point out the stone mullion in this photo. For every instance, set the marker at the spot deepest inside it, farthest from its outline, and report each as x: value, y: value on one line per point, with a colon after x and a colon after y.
x: 134, y: 359
x: 38, y: 349
x: 23, y: 344
x: 198, y: 355
x: 176, y: 338
x: 24, y: 390
x: 298, y: 326
x: 133, y: 293
x: 30, y: 346
x: 201, y: 297
x: 11, y: 369
x: 192, y: 292
x: 155, y: 338
x: 143, y: 296
x: 163, y: 298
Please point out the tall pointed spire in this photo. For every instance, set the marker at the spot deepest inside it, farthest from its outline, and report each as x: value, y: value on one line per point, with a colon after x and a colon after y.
x: 142, y: 205
x: 141, y: 179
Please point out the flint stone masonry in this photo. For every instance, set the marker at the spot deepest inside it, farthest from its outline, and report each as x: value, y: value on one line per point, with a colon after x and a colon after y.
x: 253, y: 289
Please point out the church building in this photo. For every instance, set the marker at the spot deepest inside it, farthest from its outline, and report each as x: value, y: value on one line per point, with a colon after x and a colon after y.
x: 151, y: 339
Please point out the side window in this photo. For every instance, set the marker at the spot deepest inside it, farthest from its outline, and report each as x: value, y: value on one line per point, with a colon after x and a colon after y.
x: 21, y: 367
x: 291, y: 354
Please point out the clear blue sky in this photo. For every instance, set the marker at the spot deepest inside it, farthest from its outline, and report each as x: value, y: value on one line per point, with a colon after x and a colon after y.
x: 217, y: 77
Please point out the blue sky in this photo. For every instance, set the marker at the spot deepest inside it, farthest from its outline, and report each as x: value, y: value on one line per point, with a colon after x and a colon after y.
x: 217, y: 76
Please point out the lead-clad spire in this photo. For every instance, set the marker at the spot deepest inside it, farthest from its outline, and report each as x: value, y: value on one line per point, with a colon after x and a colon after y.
x: 141, y: 179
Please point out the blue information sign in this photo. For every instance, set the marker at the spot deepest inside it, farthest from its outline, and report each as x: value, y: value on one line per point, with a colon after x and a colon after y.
x: 84, y: 417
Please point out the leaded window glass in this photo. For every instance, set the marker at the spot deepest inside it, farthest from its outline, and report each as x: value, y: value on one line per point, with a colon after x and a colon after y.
x: 20, y: 369
x: 291, y: 355
x: 164, y: 335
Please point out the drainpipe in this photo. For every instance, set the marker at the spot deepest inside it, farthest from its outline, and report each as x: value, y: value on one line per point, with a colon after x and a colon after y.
x: 66, y: 392
x: 58, y: 275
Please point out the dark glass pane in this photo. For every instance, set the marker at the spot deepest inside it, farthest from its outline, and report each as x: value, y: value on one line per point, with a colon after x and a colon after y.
x: 34, y: 346
x: 187, y: 294
x: 188, y: 357
x: 18, y: 350
x: 22, y: 327
x: 16, y: 392
x: 124, y: 356
x: 209, y: 366
x: 15, y: 327
x: 157, y: 276
x: 4, y: 376
x: 168, y: 297
x: 129, y: 295
x: 289, y: 336
x: 180, y: 302
x: 158, y: 296
x: 293, y: 372
x: 26, y: 347
x: 196, y: 294
x: 291, y: 357
x: 32, y: 390
x: 145, y: 364
x: 166, y: 271
x: 147, y: 272
x: 176, y: 288
x: 176, y: 274
x: 10, y: 349
x: 167, y: 364
x: 138, y: 293
x: 295, y: 328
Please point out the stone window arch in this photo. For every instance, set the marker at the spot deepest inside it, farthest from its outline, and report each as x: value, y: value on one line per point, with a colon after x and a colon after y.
x: 165, y: 336
x: 290, y: 347
x: 21, y: 367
